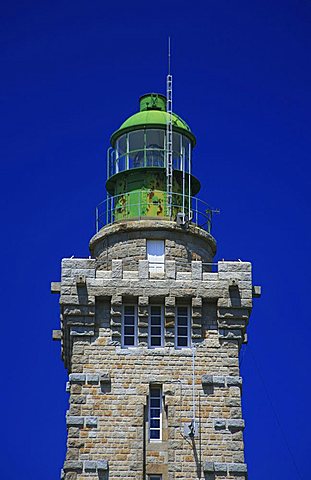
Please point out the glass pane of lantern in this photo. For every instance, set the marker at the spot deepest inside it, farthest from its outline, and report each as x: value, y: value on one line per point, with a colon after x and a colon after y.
x: 155, y: 148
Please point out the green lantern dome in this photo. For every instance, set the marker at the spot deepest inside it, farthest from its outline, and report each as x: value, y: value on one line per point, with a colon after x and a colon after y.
x: 153, y: 114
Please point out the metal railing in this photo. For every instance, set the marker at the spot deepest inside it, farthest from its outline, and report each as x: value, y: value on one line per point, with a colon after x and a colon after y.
x: 136, y: 205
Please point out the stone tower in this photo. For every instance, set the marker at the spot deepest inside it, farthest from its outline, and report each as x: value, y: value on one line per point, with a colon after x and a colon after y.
x: 151, y: 328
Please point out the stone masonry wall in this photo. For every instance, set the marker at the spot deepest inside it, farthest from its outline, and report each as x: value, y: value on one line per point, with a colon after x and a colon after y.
x: 109, y: 386
x: 129, y: 244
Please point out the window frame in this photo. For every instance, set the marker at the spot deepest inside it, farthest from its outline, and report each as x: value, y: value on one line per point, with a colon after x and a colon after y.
x: 188, y: 327
x: 156, y: 266
x: 123, y: 345
x: 154, y: 440
x: 150, y: 326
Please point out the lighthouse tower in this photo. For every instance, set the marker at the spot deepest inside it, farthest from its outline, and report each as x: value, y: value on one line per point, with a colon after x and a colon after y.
x: 151, y: 328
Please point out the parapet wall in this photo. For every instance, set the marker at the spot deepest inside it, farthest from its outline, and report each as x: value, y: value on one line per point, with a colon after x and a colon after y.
x: 127, y: 241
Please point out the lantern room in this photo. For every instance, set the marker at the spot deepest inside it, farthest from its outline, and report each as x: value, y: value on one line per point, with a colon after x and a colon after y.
x: 137, y: 166
x: 140, y: 142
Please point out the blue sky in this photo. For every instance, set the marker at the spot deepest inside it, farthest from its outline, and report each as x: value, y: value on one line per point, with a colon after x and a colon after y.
x: 71, y: 72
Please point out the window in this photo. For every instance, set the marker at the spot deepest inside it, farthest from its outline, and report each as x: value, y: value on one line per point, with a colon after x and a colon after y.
x: 155, y: 333
x: 155, y: 148
x: 182, y: 327
x: 155, y: 413
x: 129, y: 326
x: 155, y: 255
x: 154, y: 477
x: 136, y: 147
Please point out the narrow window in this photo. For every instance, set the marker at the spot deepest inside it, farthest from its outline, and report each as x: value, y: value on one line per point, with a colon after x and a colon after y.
x: 155, y: 255
x: 155, y: 413
x: 182, y: 327
x: 129, y: 326
x: 155, y: 326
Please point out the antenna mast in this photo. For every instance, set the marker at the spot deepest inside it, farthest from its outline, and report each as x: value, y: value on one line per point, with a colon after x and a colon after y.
x: 169, y: 134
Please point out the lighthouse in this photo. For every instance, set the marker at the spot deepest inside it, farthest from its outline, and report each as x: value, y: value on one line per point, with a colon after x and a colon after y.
x: 151, y: 326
